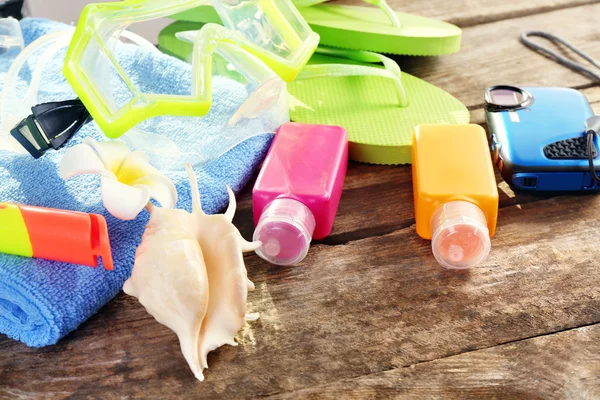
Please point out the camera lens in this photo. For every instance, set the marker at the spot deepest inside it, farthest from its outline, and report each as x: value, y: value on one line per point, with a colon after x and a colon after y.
x: 507, y: 97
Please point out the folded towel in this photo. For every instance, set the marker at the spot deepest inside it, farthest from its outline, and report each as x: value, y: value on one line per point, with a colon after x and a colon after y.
x: 41, y: 301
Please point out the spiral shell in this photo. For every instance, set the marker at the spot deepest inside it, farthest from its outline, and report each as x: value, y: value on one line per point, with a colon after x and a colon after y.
x: 189, y: 274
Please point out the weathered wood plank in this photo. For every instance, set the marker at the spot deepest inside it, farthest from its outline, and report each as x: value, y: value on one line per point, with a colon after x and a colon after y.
x: 362, y: 308
x: 380, y: 203
x: 465, y: 13
x: 565, y: 365
x: 492, y: 55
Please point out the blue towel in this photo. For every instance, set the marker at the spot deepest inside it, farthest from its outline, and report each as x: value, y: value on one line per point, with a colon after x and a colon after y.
x: 41, y: 301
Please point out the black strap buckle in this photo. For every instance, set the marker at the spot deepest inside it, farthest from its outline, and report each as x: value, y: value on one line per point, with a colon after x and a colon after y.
x: 11, y: 8
x: 50, y: 125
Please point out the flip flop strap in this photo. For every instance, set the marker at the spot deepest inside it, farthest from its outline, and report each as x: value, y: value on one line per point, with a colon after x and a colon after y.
x: 382, y: 4
x: 391, y: 70
x: 582, y: 69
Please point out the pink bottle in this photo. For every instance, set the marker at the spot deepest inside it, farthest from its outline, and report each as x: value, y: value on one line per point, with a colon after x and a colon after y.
x: 298, y: 190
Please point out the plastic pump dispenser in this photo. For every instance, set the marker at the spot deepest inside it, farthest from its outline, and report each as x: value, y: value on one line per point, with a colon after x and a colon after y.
x: 298, y: 190
x: 461, y: 238
x: 285, y: 228
x: 456, y: 197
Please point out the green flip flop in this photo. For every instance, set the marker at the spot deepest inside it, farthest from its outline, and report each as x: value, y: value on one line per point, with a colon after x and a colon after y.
x: 380, y: 29
x: 364, y: 92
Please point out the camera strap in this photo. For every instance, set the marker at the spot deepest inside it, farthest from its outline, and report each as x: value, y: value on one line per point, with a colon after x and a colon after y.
x: 592, y: 128
x: 575, y: 66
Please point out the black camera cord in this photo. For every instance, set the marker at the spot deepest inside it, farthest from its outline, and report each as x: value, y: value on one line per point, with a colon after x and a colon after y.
x: 592, y: 127
x: 582, y: 69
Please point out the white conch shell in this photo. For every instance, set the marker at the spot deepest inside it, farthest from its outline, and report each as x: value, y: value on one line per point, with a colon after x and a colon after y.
x: 189, y: 274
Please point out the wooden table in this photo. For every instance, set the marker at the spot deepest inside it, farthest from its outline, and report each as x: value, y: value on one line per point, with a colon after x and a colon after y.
x: 369, y: 313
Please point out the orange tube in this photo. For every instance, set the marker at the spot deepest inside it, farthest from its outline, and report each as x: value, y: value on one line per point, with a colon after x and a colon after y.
x: 66, y: 236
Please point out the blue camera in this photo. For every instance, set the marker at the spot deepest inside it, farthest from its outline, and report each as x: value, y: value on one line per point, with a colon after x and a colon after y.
x: 539, y: 139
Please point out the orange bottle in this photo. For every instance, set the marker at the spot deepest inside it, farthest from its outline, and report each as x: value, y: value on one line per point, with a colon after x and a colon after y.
x: 456, y: 197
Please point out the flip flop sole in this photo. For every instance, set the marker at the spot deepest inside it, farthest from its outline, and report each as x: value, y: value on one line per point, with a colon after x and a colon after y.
x: 379, y: 132
x: 365, y: 28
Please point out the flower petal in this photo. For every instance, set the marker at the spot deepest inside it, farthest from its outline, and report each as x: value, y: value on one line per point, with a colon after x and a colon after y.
x: 80, y: 159
x: 123, y: 201
x: 160, y: 189
x: 111, y: 153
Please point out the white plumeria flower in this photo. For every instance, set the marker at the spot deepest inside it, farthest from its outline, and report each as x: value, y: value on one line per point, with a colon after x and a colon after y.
x: 128, y: 181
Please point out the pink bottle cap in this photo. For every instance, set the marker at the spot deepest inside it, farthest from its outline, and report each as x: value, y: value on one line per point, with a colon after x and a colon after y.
x: 285, y: 229
x: 461, y: 238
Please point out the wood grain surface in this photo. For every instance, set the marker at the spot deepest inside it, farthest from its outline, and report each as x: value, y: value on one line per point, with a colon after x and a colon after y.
x: 560, y: 366
x: 349, y: 310
x: 369, y: 313
x: 465, y: 13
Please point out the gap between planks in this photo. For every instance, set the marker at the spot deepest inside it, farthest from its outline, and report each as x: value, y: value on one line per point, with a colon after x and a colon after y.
x: 468, y: 22
x: 458, y: 376
x: 462, y: 305
x: 465, y: 15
